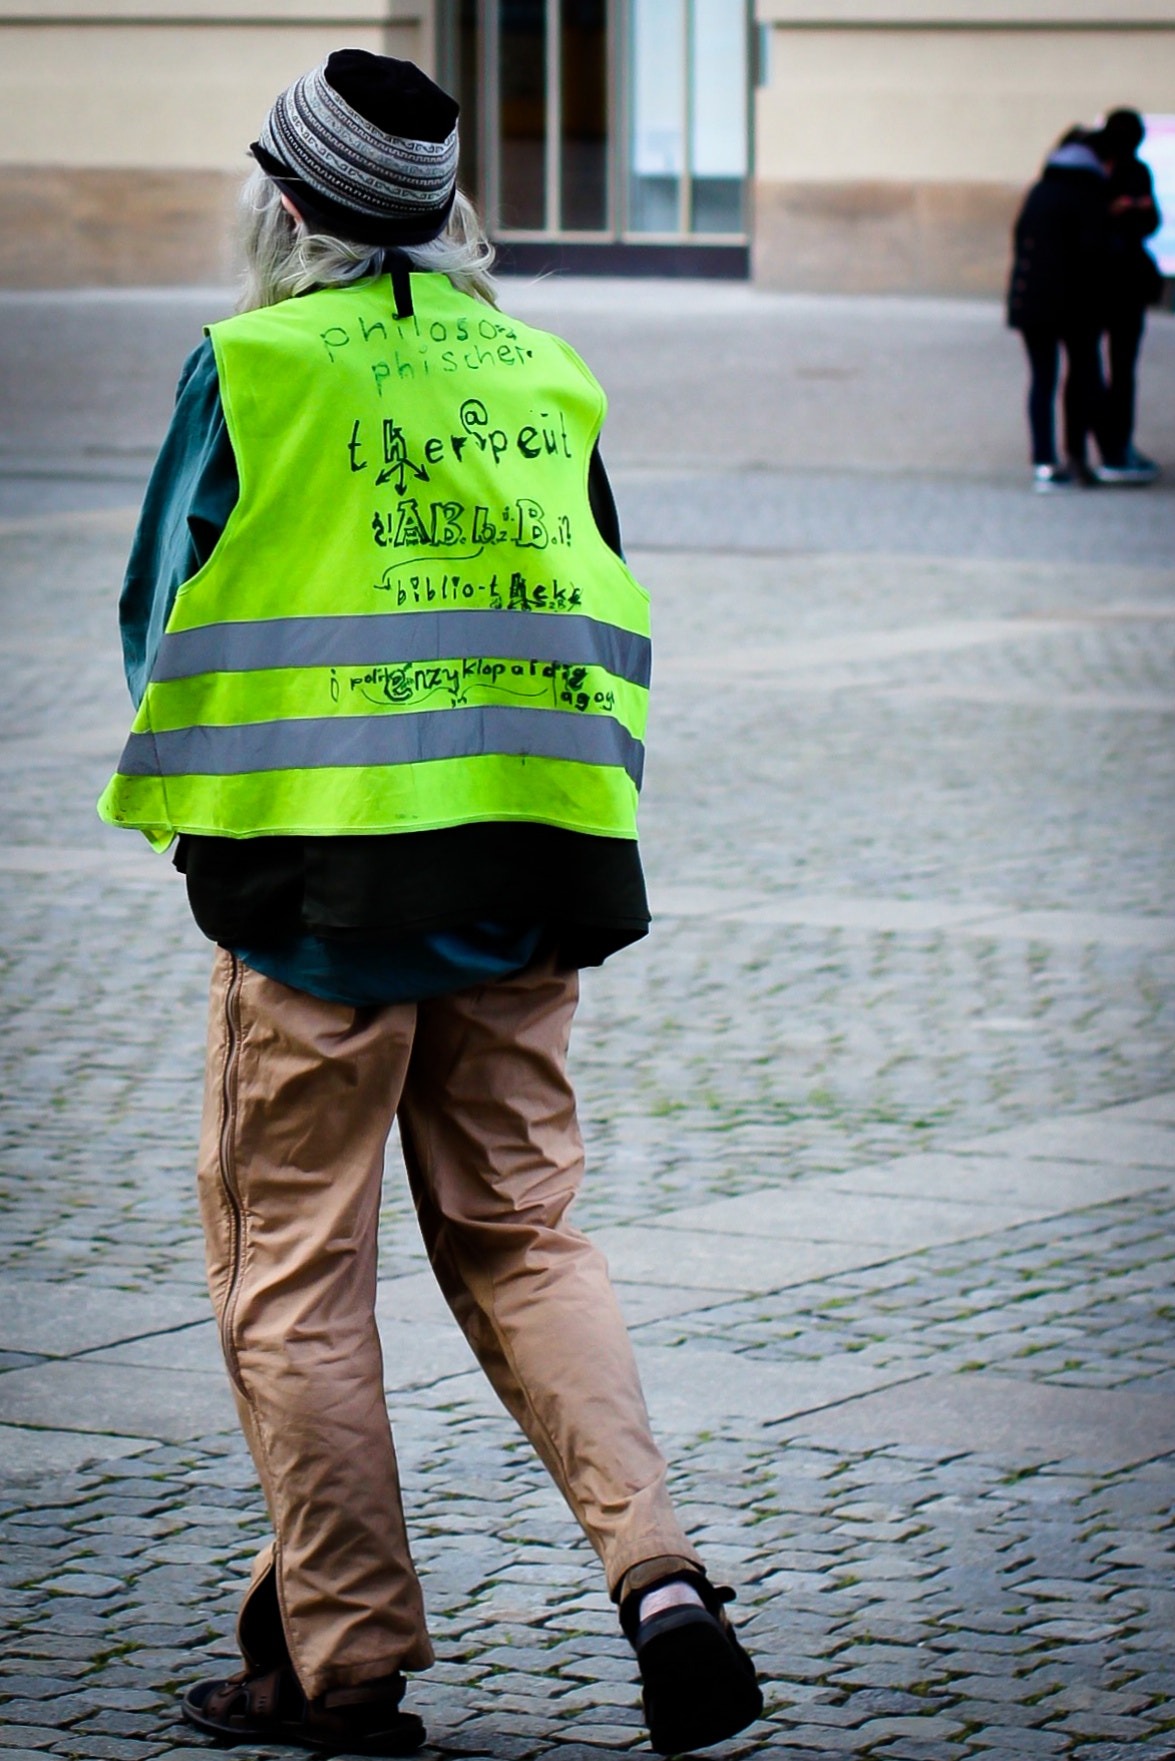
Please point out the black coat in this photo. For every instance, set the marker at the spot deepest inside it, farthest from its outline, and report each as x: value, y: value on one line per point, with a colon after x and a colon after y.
x: 1135, y: 281
x: 1061, y: 253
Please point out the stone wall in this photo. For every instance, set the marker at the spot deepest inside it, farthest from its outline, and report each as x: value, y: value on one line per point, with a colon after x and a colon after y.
x: 892, y: 237
x: 125, y: 124
x: 65, y: 227
x: 894, y: 138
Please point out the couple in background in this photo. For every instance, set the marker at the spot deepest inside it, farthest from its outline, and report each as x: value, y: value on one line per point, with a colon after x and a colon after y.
x: 1081, y: 271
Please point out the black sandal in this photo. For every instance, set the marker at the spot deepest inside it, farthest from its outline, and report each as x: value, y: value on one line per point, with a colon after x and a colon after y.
x: 698, y: 1684
x: 271, y: 1707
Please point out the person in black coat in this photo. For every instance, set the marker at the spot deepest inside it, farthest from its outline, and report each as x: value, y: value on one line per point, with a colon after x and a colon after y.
x: 1057, y: 299
x: 1134, y: 284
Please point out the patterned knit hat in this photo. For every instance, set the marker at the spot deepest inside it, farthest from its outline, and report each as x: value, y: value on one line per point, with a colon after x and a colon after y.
x: 366, y: 149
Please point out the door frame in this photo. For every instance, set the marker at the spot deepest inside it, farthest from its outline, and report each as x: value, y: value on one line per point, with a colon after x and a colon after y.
x: 616, y: 248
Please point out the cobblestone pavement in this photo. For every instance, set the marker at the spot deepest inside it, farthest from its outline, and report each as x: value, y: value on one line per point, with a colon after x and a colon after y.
x: 881, y: 1118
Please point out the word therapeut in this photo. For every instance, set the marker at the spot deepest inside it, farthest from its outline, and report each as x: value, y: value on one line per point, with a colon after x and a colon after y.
x: 546, y: 439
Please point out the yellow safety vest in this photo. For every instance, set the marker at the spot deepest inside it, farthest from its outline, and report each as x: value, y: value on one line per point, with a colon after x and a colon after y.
x: 410, y: 620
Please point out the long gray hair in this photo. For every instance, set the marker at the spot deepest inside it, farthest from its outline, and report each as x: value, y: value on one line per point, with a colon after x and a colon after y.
x: 283, y: 258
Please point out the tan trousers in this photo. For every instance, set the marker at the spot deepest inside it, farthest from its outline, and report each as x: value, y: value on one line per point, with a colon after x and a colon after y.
x: 300, y: 1098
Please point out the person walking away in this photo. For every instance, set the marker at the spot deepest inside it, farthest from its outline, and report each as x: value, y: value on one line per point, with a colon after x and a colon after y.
x: 391, y: 673
x: 1134, y: 284
x: 1056, y: 300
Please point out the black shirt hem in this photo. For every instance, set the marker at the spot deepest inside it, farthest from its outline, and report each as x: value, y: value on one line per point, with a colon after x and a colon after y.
x: 588, y: 891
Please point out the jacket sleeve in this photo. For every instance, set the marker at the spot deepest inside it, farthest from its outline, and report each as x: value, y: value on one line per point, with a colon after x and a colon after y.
x: 603, y: 504
x: 191, y: 492
x: 1147, y: 224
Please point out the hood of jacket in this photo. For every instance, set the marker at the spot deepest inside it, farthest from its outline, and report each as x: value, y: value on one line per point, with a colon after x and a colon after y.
x: 1075, y: 157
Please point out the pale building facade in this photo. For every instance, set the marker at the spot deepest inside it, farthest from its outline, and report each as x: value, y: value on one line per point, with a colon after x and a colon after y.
x: 816, y: 144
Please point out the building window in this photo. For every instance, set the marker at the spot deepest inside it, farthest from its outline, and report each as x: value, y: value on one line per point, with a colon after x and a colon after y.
x: 688, y: 154
x: 603, y: 120
x: 583, y: 116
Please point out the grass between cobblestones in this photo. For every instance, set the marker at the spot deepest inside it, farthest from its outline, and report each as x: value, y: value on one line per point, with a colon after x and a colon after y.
x: 905, y: 1603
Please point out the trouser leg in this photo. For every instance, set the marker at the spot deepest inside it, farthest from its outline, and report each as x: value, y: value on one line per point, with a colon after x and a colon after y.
x: 299, y: 1101
x: 495, y: 1158
x: 1042, y: 348
x: 1125, y: 338
x: 1085, y: 392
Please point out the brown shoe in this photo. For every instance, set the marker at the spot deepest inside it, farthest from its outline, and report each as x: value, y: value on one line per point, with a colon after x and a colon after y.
x: 271, y: 1707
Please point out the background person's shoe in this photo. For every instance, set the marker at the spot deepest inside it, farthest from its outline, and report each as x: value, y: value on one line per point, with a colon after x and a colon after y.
x: 271, y: 1708
x: 1047, y: 478
x: 1133, y: 471
x: 698, y: 1684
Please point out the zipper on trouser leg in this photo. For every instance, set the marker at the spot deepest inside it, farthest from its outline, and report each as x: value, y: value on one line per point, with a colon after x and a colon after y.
x: 228, y: 1120
x: 228, y: 1181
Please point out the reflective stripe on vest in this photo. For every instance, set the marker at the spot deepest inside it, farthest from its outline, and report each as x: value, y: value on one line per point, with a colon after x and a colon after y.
x: 339, y: 741
x: 390, y: 638
x: 410, y: 619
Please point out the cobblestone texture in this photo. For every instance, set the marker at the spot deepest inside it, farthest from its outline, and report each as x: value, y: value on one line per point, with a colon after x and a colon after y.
x: 1085, y: 1301
x: 914, y: 888
x: 893, y: 1596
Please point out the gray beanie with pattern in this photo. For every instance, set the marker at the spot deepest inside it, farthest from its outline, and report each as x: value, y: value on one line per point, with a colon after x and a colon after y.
x: 366, y: 149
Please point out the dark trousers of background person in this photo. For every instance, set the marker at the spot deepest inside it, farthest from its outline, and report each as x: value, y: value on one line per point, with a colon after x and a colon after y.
x: 1084, y: 395
x: 1124, y: 339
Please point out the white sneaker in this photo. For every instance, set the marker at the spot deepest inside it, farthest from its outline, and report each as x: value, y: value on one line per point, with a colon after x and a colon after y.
x: 1133, y: 472
x: 1047, y: 478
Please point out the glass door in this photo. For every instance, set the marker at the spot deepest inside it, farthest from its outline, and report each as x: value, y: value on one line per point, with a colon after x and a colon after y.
x: 689, y: 118
x: 603, y: 121
x: 548, y: 92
